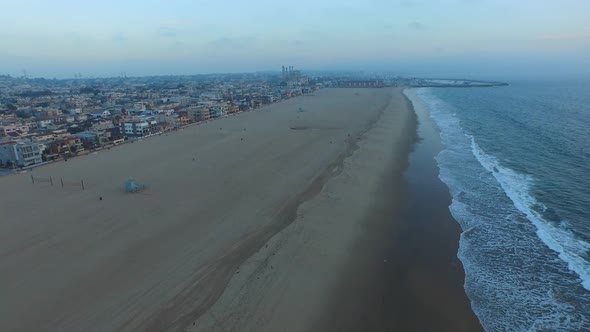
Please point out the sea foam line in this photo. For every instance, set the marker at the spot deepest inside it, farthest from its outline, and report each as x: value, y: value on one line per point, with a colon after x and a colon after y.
x: 560, y: 239
x: 543, y: 310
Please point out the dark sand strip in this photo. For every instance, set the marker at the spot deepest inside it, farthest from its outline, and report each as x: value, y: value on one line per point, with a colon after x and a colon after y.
x: 428, y: 275
x: 404, y: 274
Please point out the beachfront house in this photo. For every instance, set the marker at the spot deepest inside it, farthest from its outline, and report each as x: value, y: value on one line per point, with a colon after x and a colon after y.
x: 169, y: 121
x: 89, y: 140
x: 197, y: 114
x: 20, y: 153
x: 216, y: 111
x: 64, y: 147
x: 138, y: 127
x: 232, y: 108
x: 183, y: 118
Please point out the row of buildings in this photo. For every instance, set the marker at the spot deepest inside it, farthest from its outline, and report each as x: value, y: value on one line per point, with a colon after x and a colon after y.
x: 43, y: 120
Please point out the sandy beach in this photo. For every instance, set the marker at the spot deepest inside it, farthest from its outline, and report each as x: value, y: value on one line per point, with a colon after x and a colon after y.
x: 281, y: 219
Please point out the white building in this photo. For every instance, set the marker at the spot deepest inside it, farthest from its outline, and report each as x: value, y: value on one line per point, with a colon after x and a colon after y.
x: 137, y: 128
x: 21, y: 153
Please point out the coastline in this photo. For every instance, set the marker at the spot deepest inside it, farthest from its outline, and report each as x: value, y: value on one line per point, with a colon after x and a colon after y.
x: 419, y: 285
x: 431, y: 273
x: 305, y: 230
x: 394, y: 277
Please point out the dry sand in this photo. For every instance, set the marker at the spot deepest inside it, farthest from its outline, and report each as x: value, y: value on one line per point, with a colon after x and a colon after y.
x: 273, y: 220
x: 160, y: 259
x: 335, y: 246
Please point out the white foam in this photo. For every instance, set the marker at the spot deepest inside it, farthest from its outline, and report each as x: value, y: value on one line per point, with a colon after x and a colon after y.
x: 510, y: 275
x: 559, y: 239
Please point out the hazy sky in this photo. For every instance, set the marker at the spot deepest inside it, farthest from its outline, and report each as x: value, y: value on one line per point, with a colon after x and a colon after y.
x: 142, y: 37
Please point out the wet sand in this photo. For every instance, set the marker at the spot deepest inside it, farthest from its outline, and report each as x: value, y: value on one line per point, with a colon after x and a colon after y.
x: 428, y: 275
x: 278, y: 219
x: 419, y: 285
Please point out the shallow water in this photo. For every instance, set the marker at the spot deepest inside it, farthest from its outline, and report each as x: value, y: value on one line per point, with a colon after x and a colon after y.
x: 516, y: 162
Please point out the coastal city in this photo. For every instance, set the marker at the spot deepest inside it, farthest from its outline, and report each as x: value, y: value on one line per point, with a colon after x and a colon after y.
x: 44, y: 120
x: 204, y: 166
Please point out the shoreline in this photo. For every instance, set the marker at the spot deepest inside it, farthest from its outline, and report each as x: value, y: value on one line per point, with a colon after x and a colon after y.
x: 380, y: 284
x: 419, y: 286
x: 247, y: 224
x: 433, y: 276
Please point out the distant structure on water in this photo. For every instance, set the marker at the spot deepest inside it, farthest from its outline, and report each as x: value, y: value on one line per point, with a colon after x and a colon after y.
x: 361, y: 84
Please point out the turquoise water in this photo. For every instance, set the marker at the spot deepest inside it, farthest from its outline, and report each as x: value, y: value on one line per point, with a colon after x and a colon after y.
x: 516, y: 160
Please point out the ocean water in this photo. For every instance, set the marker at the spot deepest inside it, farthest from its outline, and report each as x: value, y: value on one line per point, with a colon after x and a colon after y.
x: 516, y: 160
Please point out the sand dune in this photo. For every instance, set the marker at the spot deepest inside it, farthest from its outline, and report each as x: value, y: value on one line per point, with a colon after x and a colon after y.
x: 167, y: 257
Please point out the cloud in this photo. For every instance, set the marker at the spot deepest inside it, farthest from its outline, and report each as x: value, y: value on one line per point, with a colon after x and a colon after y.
x: 416, y: 26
